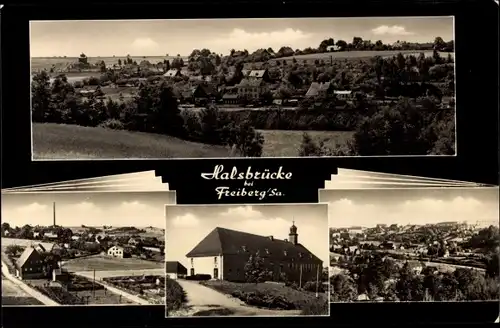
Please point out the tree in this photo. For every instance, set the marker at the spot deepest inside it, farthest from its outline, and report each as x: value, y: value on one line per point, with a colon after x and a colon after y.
x: 13, y: 250
x: 342, y: 288
x: 40, y: 96
x: 255, y: 269
x: 439, y: 43
x: 119, y: 62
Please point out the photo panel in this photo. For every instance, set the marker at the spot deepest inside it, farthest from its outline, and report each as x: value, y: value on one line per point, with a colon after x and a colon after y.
x: 385, y: 86
x: 358, y: 174
x: 154, y: 185
x: 413, y: 245
x: 247, y: 260
x: 146, y: 176
x: 83, y: 248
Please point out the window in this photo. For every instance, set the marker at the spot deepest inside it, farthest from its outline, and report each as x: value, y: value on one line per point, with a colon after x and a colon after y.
x: 244, y: 248
x: 300, y: 254
x: 267, y: 251
x: 285, y: 253
x: 215, y: 260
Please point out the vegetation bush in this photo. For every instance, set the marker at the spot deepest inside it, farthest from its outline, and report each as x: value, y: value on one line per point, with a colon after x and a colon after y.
x: 113, y: 124
x: 313, y: 286
x: 316, y: 307
x: 264, y: 300
x: 176, y: 296
x: 200, y: 277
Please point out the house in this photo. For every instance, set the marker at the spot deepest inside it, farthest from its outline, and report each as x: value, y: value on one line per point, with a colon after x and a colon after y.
x: 50, y: 235
x: 117, y: 251
x: 245, y: 72
x: 230, y: 99
x: 30, y: 265
x: 259, y: 74
x: 223, y: 254
x: 152, y: 249
x: 45, y: 247
x: 134, y: 241
x: 343, y: 94
x: 172, y: 73
x: 332, y: 48
x: 319, y: 89
x: 251, y: 88
x: 86, y: 92
x: 416, y: 267
x: 175, y: 270
x: 75, y: 237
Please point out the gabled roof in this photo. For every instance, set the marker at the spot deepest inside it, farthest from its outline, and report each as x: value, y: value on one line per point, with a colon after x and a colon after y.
x: 257, y: 73
x: 175, y: 267
x: 316, y: 88
x: 250, y: 83
x: 171, y: 73
x: 230, y: 96
x: 246, y: 72
x: 28, y: 253
x: 223, y: 241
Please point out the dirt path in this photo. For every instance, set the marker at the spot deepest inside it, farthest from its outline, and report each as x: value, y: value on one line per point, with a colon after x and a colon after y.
x: 202, y: 299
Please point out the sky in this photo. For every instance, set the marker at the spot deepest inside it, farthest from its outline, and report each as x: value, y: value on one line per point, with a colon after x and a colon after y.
x: 368, y: 208
x: 161, y: 37
x: 187, y: 225
x: 139, y: 209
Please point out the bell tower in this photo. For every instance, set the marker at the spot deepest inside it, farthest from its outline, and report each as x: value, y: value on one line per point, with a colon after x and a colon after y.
x: 293, y: 237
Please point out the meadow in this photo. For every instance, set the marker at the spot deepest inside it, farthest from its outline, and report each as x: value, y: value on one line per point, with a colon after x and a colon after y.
x: 359, y: 55
x: 40, y: 63
x: 60, y: 141
x: 105, y: 263
x: 286, y: 143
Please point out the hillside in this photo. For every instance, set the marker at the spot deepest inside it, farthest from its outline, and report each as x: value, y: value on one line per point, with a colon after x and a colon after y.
x: 60, y: 141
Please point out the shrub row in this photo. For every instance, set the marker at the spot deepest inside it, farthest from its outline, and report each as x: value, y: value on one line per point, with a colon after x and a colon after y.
x: 175, y: 296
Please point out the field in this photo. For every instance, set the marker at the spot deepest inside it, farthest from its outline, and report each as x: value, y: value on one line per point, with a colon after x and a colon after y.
x: 299, y: 299
x: 59, y: 141
x: 38, y: 63
x: 13, y: 295
x: 357, y: 55
x: 23, y: 243
x: 286, y: 143
x: 104, y: 263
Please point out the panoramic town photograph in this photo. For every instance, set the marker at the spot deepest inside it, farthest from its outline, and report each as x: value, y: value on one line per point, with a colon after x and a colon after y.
x: 83, y: 248
x: 242, y: 260
x: 218, y: 88
x: 414, y: 245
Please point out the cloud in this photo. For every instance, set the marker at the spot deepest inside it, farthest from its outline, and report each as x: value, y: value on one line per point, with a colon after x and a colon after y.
x: 33, y: 214
x: 147, y: 43
x: 391, y: 30
x: 187, y: 220
x: 85, y: 206
x: 242, y: 212
x: 344, y: 212
x: 240, y: 39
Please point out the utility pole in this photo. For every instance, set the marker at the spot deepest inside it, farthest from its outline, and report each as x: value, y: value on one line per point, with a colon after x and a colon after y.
x: 93, y: 285
x: 317, y: 281
x: 300, y: 277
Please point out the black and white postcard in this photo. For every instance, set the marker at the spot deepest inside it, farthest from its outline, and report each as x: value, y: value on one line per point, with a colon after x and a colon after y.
x: 241, y: 260
x: 83, y: 248
x: 229, y: 88
x: 414, y: 245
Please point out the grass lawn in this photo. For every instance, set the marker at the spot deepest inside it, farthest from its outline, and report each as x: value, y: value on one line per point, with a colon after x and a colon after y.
x: 300, y: 299
x: 286, y: 143
x: 104, y: 263
x: 60, y: 141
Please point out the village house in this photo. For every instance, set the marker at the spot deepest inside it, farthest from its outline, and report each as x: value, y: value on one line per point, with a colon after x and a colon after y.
x: 30, y: 265
x: 199, y: 94
x: 319, y: 89
x: 223, y: 254
x: 172, y: 73
x: 117, y: 251
x: 251, y: 88
x: 343, y: 94
x: 134, y: 241
x: 415, y: 267
x: 245, y: 72
x: 259, y: 74
x: 175, y: 270
x: 332, y: 48
x: 230, y: 99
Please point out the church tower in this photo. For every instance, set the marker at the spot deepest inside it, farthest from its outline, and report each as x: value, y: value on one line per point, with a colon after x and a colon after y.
x: 293, y: 237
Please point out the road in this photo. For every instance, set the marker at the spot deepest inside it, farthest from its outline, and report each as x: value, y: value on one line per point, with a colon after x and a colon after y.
x: 201, y: 298
x: 27, y: 289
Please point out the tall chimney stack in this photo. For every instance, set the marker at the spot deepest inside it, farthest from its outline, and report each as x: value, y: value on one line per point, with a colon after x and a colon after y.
x: 54, y: 213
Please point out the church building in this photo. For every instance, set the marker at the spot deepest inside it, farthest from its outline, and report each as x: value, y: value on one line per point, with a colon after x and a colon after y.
x: 223, y: 254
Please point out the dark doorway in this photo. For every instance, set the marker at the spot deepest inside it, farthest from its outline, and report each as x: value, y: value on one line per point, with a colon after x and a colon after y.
x: 192, y: 271
x: 216, y: 273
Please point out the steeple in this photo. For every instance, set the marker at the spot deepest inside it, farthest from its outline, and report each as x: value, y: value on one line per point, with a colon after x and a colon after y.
x: 293, y: 236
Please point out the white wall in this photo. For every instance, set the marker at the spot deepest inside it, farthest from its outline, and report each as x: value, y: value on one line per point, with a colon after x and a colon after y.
x: 206, y: 265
